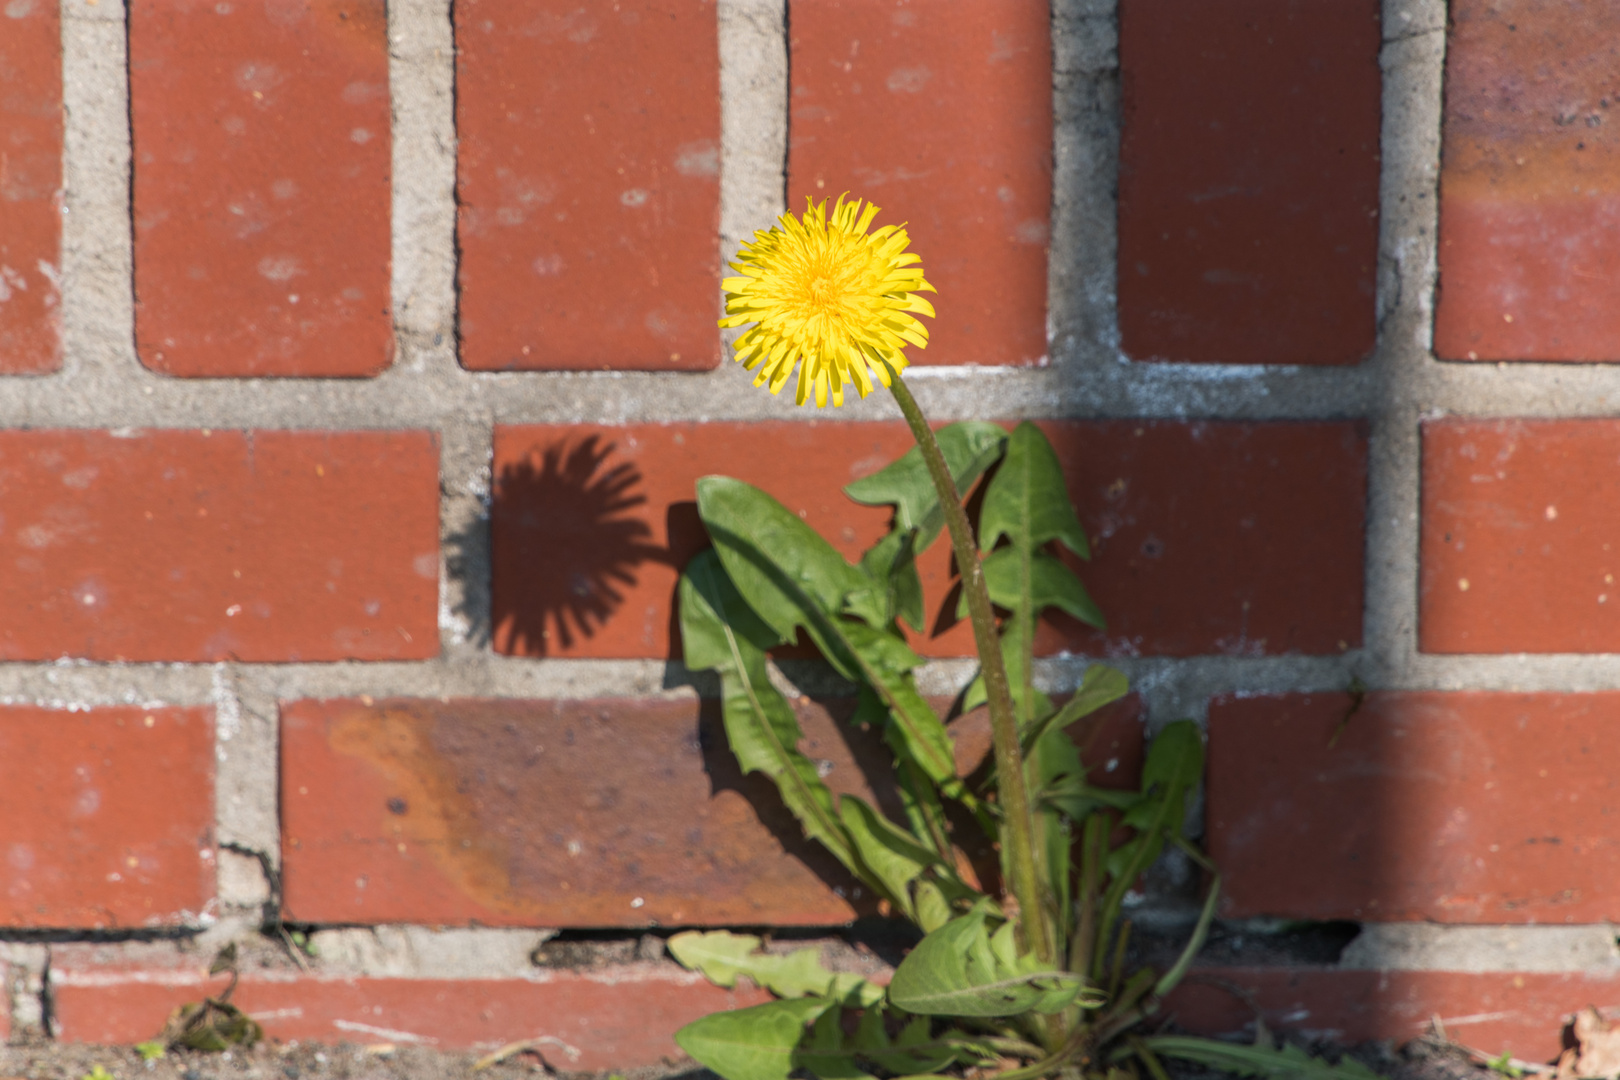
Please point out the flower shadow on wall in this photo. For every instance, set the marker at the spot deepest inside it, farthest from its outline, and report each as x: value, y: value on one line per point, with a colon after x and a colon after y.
x: 566, y: 544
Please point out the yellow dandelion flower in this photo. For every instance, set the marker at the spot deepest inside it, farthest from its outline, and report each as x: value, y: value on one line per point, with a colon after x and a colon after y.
x: 823, y: 291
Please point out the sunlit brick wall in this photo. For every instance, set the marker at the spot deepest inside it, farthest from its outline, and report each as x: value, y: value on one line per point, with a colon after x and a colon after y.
x: 357, y: 363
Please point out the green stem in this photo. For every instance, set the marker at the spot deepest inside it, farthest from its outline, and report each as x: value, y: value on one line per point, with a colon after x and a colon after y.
x: 1018, y: 821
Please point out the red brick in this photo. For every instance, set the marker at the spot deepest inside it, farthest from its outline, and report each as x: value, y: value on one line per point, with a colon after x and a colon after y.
x: 106, y: 816
x: 227, y: 545
x: 1521, y: 1013
x: 30, y: 188
x: 1450, y: 807
x: 616, y: 1018
x: 1248, y: 186
x: 589, y: 184
x: 941, y: 114
x: 578, y: 813
x: 1518, y: 518
x: 1529, y: 183
x: 1243, y: 539
x: 261, y: 187
x: 550, y: 813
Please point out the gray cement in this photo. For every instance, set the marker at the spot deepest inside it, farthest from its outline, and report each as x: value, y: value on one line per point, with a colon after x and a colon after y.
x: 102, y: 384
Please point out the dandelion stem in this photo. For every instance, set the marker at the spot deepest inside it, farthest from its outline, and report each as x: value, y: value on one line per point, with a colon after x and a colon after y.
x: 1018, y: 820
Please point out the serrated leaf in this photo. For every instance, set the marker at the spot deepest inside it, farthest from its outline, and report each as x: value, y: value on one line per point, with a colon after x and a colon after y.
x: 892, y: 565
x: 1051, y: 584
x: 792, y: 578
x: 1100, y: 685
x: 893, y: 855
x: 756, y: 1043
x: 969, y: 448
x: 761, y: 727
x: 1287, y: 1063
x: 1027, y: 501
x: 958, y: 971
x: 722, y: 956
x: 777, y: 562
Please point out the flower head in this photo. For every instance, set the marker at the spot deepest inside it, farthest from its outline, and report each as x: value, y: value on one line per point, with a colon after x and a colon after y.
x: 823, y: 291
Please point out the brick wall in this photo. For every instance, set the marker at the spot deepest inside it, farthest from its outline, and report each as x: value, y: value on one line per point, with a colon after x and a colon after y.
x: 357, y: 361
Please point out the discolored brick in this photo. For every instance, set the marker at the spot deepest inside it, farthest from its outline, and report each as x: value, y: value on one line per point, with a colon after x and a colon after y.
x: 1248, y: 180
x: 588, y: 178
x: 619, y: 812
x: 1241, y: 539
x: 106, y: 816
x: 1529, y: 183
x: 1519, y: 524
x: 219, y: 545
x: 261, y: 187
x: 551, y: 813
x: 1450, y: 807
x: 613, y: 1019
x: 30, y: 188
x: 941, y: 114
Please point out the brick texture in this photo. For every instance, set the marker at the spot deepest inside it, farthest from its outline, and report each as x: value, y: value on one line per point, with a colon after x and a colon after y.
x: 1449, y: 807
x: 261, y: 187
x: 578, y: 813
x: 30, y: 188
x: 106, y: 816
x: 1237, y: 539
x: 1519, y: 1012
x: 226, y: 545
x: 1248, y: 183
x: 616, y: 1019
x: 589, y: 188
x: 941, y: 114
x: 1519, y: 522
x: 1529, y: 184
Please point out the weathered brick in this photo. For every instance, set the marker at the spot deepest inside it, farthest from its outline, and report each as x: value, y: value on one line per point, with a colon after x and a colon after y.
x: 578, y: 813
x: 30, y: 188
x: 1243, y: 539
x: 223, y: 545
x: 1529, y: 183
x: 1519, y: 518
x: 1248, y: 184
x: 941, y: 114
x: 588, y: 180
x: 261, y: 187
x: 616, y: 1018
x: 106, y: 816
x: 1450, y: 807
x: 1518, y: 1012
x: 549, y: 813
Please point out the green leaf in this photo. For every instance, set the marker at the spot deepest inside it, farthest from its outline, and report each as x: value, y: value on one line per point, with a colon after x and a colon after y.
x: 1027, y: 501
x: 969, y: 448
x: 892, y: 564
x: 1099, y: 686
x: 1287, y: 1063
x: 722, y: 956
x: 894, y: 856
x: 1051, y: 584
x: 756, y: 1043
x: 777, y: 562
x: 961, y: 969
x: 793, y: 578
x: 1175, y: 764
x: 760, y: 724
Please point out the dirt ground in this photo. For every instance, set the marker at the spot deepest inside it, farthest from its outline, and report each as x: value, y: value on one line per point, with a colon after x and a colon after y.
x: 45, y: 1060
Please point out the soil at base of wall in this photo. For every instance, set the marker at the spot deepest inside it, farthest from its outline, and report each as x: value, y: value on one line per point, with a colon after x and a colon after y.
x: 41, y: 1059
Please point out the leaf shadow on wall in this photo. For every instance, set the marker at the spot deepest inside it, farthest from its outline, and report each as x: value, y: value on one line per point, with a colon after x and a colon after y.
x: 565, y: 545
